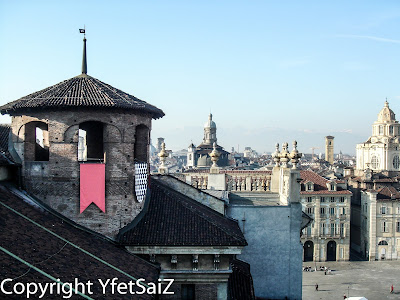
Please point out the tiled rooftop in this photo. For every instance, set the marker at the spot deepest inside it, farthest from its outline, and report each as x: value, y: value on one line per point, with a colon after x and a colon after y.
x: 320, y: 186
x: 60, y: 248
x: 80, y: 92
x: 388, y: 193
x: 173, y: 219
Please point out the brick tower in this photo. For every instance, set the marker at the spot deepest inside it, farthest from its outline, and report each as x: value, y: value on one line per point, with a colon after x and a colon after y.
x: 79, y: 142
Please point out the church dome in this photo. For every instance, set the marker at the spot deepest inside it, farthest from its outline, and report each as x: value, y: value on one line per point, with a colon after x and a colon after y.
x: 210, y: 123
x: 386, y: 114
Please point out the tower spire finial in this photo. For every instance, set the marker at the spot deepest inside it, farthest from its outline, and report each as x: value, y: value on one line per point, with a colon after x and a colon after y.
x: 84, y: 62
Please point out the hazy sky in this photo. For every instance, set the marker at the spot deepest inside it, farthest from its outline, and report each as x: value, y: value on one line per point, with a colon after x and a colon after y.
x: 269, y: 71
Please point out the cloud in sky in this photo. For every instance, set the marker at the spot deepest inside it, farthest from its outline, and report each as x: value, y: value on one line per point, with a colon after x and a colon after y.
x: 369, y: 37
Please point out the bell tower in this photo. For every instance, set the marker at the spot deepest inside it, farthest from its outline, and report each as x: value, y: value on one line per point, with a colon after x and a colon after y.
x: 329, y: 149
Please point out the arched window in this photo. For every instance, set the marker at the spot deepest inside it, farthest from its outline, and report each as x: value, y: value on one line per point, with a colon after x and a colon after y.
x: 380, y: 130
x: 141, y: 143
x: 391, y: 130
x: 396, y: 162
x: 374, y: 162
x: 36, y: 141
x: 90, y: 143
x: 383, y: 243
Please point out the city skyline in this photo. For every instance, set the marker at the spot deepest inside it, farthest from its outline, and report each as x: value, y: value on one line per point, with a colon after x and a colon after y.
x: 268, y: 72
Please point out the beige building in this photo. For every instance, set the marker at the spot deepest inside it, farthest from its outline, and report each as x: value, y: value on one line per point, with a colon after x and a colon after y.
x: 382, y: 150
x: 380, y: 223
x: 327, y: 238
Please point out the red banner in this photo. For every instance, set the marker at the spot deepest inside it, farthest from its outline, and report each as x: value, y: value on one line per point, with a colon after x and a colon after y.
x: 92, y: 185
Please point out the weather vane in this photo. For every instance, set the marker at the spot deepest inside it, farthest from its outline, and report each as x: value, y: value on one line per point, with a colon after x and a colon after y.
x: 83, y: 31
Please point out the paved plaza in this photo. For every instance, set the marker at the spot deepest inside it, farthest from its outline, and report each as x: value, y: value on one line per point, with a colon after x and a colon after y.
x: 357, y: 278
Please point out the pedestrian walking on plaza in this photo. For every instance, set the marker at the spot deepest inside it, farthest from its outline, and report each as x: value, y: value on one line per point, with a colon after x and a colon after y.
x: 344, y: 296
x: 316, y: 287
x: 391, y: 289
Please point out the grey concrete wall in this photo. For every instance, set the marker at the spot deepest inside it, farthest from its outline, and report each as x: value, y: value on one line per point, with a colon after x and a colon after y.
x: 274, y: 251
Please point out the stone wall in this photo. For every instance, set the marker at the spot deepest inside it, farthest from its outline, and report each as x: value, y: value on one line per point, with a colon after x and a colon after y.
x: 56, y: 182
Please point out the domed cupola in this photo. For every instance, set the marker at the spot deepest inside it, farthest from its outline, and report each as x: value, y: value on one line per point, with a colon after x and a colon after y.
x: 210, y: 131
x: 386, y: 115
x: 210, y: 123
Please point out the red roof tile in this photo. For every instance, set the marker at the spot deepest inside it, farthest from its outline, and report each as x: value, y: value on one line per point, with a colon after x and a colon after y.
x: 320, y: 186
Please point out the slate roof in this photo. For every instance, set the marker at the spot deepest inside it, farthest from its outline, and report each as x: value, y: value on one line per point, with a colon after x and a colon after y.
x: 320, y: 186
x: 240, y: 283
x: 82, y: 91
x: 173, y: 219
x: 57, y: 257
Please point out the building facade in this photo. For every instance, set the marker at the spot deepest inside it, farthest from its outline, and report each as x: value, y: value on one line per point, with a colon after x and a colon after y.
x: 267, y: 206
x: 380, y: 224
x: 328, y: 203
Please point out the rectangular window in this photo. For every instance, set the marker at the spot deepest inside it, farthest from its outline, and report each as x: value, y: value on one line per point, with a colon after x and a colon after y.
x: 324, y: 229
x: 332, y: 229
x: 309, y: 187
x: 309, y: 199
x: 342, y: 199
x: 397, y: 226
x: 343, y: 211
x: 383, y: 210
x: 332, y: 199
x: 310, y: 210
x: 322, y: 210
x: 332, y: 211
x: 342, y: 229
x: 385, y: 227
x: 398, y: 209
x: 323, y: 200
x: 309, y: 230
x: 332, y: 187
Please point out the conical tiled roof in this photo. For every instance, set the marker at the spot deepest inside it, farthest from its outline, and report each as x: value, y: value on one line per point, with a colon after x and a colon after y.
x: 82, y: 91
